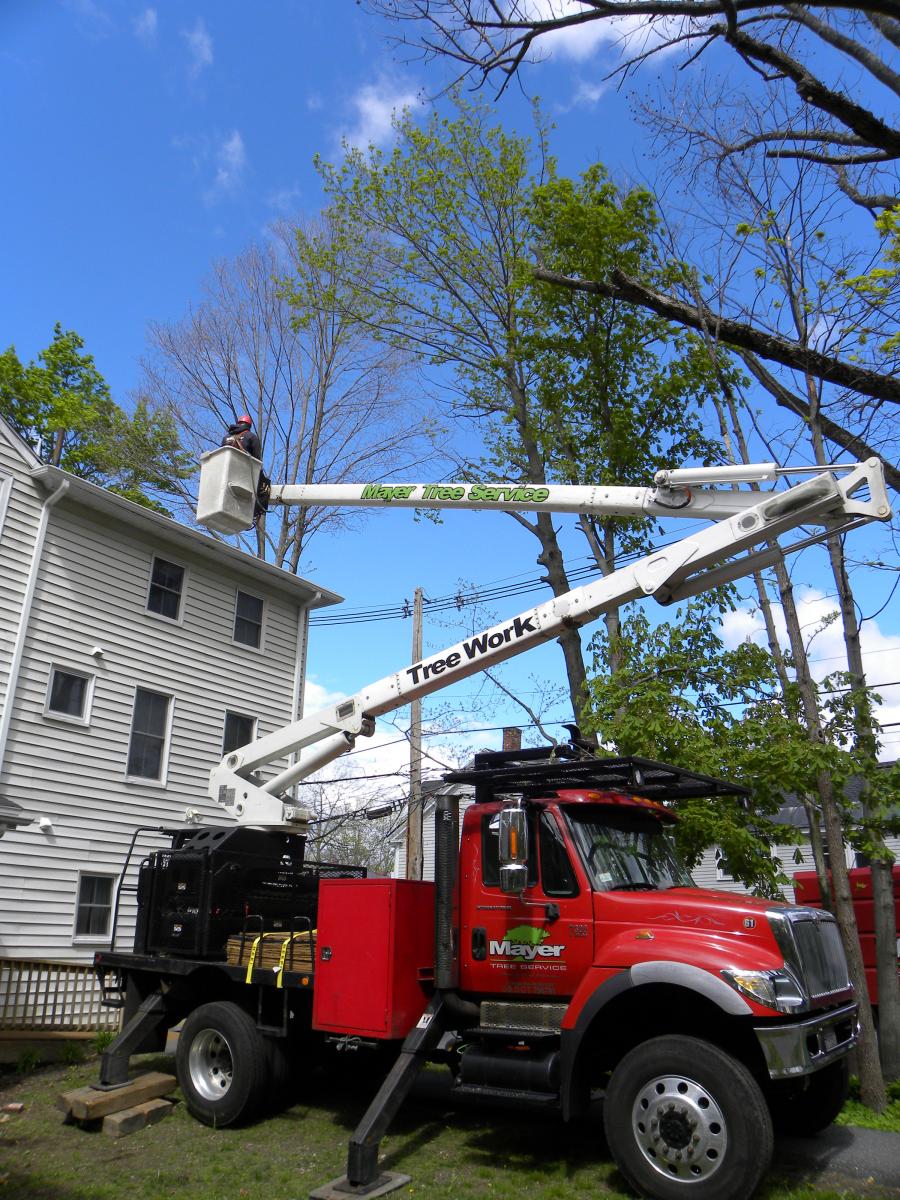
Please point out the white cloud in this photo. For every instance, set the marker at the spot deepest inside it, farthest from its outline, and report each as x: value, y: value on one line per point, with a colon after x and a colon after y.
x: 634, y: 35
x: 315, y: 696
x: 145, y: 26
x: 284, y: 200
x: 200, y: 47
x: 825, y: 646
x: 587, y: 94
x: 92, y: 20
x: 374, y: 107
x: 231, y: 163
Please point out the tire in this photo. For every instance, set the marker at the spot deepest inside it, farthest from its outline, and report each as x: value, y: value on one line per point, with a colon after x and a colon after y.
x: 686, y: 1121
x: 222, y: 1065
x: 805, y: 1108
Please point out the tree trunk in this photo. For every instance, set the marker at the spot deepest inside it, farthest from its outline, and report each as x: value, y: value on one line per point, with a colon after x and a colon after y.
x: 605, y: 557
x: 888, y: 992
x: 871, y: 1080
x: 550, y: 557
x: 731, y: 426
x: 882, y: 877
x: 872, y: 1091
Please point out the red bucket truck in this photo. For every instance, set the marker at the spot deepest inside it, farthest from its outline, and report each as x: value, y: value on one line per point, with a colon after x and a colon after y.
x: 562, y: 950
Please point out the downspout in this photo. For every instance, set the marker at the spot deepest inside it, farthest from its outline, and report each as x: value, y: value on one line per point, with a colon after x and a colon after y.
x: 300, y: 668
x: 300, y: 658
x: 25, y: 616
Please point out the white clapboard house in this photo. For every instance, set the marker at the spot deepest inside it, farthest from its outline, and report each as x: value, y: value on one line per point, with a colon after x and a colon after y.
x: 133, y: 652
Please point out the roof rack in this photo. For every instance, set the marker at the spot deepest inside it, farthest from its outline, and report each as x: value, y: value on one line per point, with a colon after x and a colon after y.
x: 536, y: 772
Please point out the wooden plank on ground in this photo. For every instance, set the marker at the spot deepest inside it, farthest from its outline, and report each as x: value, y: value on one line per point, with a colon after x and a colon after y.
x: 130, y: 1120
x: 87, y: 1103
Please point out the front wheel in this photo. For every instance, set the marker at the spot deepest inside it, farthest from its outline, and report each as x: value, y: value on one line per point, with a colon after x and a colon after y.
x: 683, y: 1119
x: 221, y: 1064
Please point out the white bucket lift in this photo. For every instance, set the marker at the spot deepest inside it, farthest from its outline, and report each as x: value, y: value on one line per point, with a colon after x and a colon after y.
x: 228, y: 479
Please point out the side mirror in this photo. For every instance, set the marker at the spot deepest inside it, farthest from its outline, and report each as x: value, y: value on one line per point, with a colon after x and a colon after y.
x: 513, y: 851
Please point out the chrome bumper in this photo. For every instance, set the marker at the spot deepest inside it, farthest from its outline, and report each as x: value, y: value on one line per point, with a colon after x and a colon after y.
x: 808, y: 1045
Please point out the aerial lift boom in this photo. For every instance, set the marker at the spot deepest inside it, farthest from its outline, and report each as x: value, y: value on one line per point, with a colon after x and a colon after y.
x: 832, y: 500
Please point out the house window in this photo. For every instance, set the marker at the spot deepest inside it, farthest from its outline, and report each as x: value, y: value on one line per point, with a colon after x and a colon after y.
x: 149, y: 732
x: 69, y: 695
x: 723, y: 868
x: 239, y: 730
x: 166, y: 587
x: 93, y: 908
x: 248, y: 619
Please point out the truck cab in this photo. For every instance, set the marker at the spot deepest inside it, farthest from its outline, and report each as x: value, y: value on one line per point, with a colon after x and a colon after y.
x: 598, y: 966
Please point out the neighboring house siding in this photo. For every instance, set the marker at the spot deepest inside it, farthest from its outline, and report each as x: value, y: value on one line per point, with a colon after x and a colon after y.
x: 398, y: 871
x: 90, y: 596
x: 705, y: 872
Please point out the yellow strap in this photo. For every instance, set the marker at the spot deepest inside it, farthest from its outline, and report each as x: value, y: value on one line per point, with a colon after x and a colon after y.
x: 279, y: 970
x: 284, y: 949
x: 253, y: 950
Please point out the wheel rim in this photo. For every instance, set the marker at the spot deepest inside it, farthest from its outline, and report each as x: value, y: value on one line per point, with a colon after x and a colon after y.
x: 679, y: 1128
x: 210, y: 1064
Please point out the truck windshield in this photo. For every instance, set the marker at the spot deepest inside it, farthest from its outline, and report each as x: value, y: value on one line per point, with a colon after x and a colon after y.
x: 626, y: 850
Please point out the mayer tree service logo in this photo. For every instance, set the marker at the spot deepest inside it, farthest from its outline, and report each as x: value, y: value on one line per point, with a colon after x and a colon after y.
x: 524, y: 944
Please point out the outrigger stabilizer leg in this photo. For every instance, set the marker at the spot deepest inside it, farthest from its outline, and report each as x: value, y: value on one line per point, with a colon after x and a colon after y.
x: 363, y: 1177
x: 115, y: 1060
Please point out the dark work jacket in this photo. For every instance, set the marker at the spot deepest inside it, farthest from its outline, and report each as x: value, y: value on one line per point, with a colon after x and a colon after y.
x: 244, y: 439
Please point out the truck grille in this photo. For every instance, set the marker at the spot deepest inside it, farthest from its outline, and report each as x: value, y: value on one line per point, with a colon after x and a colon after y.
x: 821, y: 955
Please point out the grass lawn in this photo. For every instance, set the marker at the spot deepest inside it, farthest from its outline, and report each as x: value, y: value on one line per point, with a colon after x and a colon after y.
x: 451, y: 1153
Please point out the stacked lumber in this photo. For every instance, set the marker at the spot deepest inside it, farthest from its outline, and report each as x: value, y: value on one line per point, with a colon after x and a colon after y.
x: 122, y: 1110
x: 274, y: 948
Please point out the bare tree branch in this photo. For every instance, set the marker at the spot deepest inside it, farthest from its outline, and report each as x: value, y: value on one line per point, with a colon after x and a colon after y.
x: 849, y: 46
x: 887, y: 26
x: 812, y: 91
x: 795, y: 404
x: 735, y: 333
x: 521, y: 703
x: 872, y: 201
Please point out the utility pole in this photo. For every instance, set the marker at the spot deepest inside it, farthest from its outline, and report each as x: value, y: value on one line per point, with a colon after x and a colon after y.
x: 414, y: 811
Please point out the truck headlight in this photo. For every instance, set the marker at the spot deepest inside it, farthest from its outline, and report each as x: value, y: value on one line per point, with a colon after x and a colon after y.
x: 774, y: 989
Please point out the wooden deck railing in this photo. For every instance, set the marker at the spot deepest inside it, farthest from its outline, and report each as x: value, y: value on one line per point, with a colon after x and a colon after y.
x: 40, y: 995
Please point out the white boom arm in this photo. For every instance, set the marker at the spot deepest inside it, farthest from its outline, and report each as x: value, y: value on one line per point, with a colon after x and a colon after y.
x: 697, y: 562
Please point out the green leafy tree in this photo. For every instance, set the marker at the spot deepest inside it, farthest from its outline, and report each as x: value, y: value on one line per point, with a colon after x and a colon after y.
x: 620, y: 391
x: 670, y: 698
x: 62, y: 405
x: 554, y: 389
x: 681, y: 696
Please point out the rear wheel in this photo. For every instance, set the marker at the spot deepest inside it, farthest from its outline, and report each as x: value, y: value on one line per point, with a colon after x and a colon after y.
x: 684, y: 1119
x: 222, y: 1064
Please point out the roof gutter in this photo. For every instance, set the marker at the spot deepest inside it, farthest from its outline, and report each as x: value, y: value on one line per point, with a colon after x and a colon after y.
x: 25, y: 615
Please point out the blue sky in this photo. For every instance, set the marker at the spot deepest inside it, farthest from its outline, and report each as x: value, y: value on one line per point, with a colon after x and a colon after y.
x: 142, y: 141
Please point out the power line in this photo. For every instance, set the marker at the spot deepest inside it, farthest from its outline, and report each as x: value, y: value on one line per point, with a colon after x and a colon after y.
x: 465, y: 597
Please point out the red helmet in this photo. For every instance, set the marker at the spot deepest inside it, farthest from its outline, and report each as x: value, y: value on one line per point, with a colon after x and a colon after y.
x: 244, y: 419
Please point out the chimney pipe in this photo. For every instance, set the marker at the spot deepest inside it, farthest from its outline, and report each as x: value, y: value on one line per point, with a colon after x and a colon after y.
x: 512, y: 738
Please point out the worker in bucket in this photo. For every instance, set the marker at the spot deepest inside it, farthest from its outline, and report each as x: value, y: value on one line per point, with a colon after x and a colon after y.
x: 240, y: 435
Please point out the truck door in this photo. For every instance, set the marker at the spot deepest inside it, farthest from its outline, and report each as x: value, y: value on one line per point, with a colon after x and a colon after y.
x: 539, y: 944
